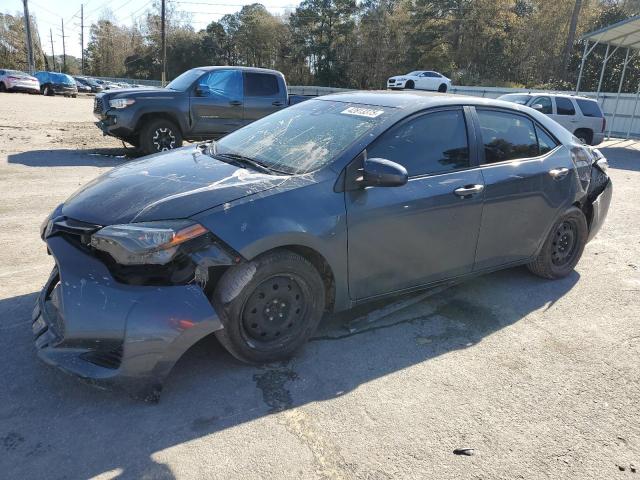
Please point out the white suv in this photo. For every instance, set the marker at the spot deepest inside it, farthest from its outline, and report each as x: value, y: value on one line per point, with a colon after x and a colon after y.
x: 582, y: 116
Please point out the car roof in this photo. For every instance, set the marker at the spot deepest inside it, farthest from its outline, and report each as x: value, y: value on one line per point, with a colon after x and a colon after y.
x: 547, y: 94
x: 244, y: 69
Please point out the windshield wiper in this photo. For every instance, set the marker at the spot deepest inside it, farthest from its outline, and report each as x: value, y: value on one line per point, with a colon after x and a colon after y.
x: 241, y: 159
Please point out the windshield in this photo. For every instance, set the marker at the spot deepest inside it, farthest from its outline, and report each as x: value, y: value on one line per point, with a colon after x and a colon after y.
x: 16, y: 73
x: 304, y: 137
x: 182, y: 82
x: 513, y: 98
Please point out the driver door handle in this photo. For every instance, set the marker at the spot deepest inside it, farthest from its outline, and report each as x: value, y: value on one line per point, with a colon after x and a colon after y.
x: 559, y: 173
x: 468, y: 190
x: 277, y: 103
x: 235, y: 103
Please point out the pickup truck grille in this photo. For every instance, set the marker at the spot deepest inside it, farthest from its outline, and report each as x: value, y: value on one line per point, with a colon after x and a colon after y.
x: 97, y: 105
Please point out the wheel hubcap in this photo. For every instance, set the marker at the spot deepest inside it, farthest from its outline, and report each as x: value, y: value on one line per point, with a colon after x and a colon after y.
x: 164, y: 139
x: 275, y: 310
x: 564, y: 244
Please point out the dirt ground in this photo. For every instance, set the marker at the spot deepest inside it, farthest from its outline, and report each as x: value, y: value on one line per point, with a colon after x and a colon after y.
x: 540, y: 378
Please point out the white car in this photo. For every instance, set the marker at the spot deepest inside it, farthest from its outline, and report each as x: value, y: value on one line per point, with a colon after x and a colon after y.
x: 420, y: 80
x: 13, y: 80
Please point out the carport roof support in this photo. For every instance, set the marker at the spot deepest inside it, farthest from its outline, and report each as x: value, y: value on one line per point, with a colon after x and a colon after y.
x: 624, y: 34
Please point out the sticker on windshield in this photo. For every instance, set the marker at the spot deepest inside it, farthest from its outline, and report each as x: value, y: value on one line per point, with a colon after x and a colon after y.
x: 362, y: 112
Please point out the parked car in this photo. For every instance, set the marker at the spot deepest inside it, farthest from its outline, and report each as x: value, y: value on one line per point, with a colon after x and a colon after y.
x: 54, y: 83
x: 420, y: 80
x: 318, y: 207
x: 82, y: 87
x: 106, y: 85
x: 16, y: 81
x: 580, y: 115
x: 89, y: 82
x: 202, y: 103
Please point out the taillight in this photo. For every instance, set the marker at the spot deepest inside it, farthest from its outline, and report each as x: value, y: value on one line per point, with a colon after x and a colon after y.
x: 604, y: 124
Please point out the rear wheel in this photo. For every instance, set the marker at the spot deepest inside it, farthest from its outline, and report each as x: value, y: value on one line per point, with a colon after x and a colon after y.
x: 410, y: 85
x: 563, y: 247
x: 269, y: 307
x: 442, y: 88
x: 584, y: 135
x: 160, y: 135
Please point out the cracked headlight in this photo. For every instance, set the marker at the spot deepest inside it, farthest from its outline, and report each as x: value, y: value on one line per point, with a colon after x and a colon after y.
x: 145, y: 243
x: 121, y: 102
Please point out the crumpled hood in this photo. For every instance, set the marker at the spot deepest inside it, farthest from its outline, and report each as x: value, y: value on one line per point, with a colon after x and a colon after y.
x: 169, y: 185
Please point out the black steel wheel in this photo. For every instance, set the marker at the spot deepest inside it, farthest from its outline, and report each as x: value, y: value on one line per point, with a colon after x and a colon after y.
x: 563, y: 247
x: 160, y: 135
x: 269, y: 307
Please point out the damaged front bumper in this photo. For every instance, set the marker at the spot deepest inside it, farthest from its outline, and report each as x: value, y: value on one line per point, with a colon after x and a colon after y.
x: 113, y: 334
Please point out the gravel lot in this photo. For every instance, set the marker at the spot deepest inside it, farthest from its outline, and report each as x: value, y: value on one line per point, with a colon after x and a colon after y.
x: 540, y: 378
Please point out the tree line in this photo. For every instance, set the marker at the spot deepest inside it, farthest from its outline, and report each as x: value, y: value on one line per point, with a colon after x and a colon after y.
x: 344, y: 43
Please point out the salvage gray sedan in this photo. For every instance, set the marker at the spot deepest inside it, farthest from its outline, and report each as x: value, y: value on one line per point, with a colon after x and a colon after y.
x: 315, y: 208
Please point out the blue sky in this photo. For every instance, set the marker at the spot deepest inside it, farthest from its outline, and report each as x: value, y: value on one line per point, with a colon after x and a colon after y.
x: 49, y: 14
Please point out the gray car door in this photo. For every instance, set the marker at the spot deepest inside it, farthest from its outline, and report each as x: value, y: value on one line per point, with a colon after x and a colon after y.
x: 217, y: 103
x: 426, y: 230
x: 263, y: 94
x: 527, y: 177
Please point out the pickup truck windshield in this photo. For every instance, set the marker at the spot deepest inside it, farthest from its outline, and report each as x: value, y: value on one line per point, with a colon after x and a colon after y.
x: 304, y: 137
x: 182, y: 82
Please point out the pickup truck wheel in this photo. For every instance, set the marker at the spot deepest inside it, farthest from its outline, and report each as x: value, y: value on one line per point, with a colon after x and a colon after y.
x: 563, y: 247
x: 269, y: 306
x: 160, y: 135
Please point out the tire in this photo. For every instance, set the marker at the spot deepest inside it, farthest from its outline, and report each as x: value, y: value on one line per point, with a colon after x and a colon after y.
x: 3, y: 87
x: 269, y: 307
x: 159, y: 135
x: 410, y: 85
x: 74, y: 96
x: 46, y: 91
x: 585, y: 136
x: 442, y: 88
x: 563, y: 247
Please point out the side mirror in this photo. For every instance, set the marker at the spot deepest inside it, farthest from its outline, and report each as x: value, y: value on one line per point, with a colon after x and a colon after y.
x: 378, y: 172
x: 537, y: 106
x: 203, y: 90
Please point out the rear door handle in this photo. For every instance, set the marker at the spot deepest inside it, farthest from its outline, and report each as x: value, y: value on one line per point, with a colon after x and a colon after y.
x: 235, y: 103
x: 559, y: 173
x: 468, y: 190
x: 277, y: 103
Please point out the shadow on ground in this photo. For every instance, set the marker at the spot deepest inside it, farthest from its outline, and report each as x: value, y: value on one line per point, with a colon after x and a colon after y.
x: 622, y: 157
x: 94, y: 157
x: 51, y: 423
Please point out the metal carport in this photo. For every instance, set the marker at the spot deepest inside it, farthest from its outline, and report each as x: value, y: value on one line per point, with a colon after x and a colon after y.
x: 626, y: 35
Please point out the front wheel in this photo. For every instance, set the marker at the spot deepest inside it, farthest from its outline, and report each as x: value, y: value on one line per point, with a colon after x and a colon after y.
x: 46, y: 91
x: 160, y: 135
x: 563, y: 247
x: 269, y: 306
x: 410, y: 85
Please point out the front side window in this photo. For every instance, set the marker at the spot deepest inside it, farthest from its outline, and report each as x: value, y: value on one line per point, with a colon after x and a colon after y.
x: 223, y: 83
x: 432, y: 143
x: 506, y: 136
x: 564, y: 106
x: 545, y: 105
x: 260, y: 85
x: 304, y: 137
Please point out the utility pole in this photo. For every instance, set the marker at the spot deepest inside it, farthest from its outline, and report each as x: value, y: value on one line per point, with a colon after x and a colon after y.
x: 164, y: 44
x: 53, y: 55
x: 82, y: 38
x: 27, y: 28
x: 570, y: 37
x: 64, y: 51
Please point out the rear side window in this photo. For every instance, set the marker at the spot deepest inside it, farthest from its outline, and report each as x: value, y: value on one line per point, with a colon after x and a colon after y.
x: 506, y: 136
x: 260, y: 85
x: 432, y: 143
x: 545, y: 141
x: 564, y: 106
x: 589, y: 108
